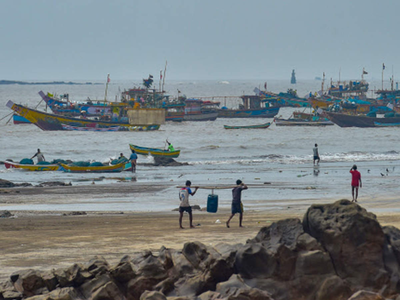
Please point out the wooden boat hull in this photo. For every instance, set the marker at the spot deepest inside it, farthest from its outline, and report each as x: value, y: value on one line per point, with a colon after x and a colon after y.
x: 38, y: 168
x: 20, y: 120
x: 344, y: 120
x: 267, y: 112
x: 154, y: 151
x: 302, y: 122
x: 47, y: 121
x: 201, y: 117
x: 101, y: 169
x: 260, y: 126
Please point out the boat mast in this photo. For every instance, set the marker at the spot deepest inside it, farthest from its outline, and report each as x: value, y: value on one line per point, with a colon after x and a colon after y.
x: 383, y: 68
x: 322, y: 84
x: 165, y: 70
x: 105, y: 95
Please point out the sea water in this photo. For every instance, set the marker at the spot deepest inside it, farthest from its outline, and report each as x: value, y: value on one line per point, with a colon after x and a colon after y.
x: 276, y: 162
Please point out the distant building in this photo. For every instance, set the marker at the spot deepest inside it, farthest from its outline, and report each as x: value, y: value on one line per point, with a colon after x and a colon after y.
x: 293, y: 79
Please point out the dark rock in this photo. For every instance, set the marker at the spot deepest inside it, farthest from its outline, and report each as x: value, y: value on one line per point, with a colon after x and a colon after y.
x: 75, y: 213
x: 123, y: 272
x: 50, y: 280
x: 5, y: 214
x: 196, y: 253
x: 354, y: 240
x: 89, y: 287
x: 248, y: 294
x: 167, y: 161
x: 333, y: 288
x: 12, y: 295
x: 196, y: 207
x: 29, y: 282
x: 147, y: 295
x: 366, y: 295
x: 306, y: 242
x: 255, y: 261
x: 23, y: 184
x: 6, y: 184
x: 313, y: 263
x: 53, y: 183
x: 67, y: 293
x: 98, y: 265
x: 73, y: 276
x: 137, y: 286
x: 283, y: 232
x: 109, y: 291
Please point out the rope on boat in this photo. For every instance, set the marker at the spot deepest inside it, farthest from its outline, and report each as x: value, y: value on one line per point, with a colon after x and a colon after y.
x: 7, y: 116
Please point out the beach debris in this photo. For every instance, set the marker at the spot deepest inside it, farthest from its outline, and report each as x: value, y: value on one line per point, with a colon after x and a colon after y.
x: 382, y: 174
x: 5, y: 214
x: 311, y: 188
x: 218, y: 221
x: 256, y: 178
x: 167, y: 161
x: 75, y: 213
x: 53, y: 183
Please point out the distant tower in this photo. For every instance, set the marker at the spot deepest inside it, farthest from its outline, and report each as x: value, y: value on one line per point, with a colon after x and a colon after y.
x: 293, y: 79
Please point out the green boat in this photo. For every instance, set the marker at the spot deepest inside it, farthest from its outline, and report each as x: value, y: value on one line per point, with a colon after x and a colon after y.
x: 154, y: 151
x: 265, y: 125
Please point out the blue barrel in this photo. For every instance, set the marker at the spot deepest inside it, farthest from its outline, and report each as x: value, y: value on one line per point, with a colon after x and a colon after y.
x: 212, y: 203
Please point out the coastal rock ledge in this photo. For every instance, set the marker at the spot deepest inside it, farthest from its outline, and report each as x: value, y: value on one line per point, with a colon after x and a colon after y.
x: 338, y: 251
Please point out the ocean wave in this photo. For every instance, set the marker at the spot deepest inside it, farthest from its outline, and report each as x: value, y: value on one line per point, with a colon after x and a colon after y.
x: 351, y: 156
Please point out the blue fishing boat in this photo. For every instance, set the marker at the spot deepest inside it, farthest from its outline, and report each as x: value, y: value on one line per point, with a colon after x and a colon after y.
x: 259, y: 126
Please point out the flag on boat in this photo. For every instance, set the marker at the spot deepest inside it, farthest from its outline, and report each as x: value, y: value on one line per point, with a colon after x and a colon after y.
x: 160, y: 74
x: 383, y: 66
x: 257, y: 91
x: 108, y: 78
x: 390, y: 105
x: 365, y: 72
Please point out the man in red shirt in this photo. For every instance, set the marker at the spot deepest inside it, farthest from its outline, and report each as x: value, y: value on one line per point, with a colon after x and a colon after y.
x: 355, y: 182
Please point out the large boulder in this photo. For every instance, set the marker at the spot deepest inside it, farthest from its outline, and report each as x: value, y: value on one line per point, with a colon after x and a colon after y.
x: 354, y: 240
x: 29, y: 283
x: 6, y: 183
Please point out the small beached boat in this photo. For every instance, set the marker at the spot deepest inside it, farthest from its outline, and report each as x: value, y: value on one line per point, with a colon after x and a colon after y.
x: 155, y: 151
x: 260, y: 126
x: 93, y: 169
x: 28, y: 167
x: 302, y: 122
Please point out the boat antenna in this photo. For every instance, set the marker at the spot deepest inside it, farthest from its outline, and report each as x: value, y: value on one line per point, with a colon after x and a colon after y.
x: 322, y: 84
x: 383, y: 69
x: 165, y: 70
x: 340, y: 69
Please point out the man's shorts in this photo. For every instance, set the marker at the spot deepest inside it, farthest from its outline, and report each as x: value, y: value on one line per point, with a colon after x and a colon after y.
x: 316, y: 157
x: 237, y: 208
x: 188, y: 209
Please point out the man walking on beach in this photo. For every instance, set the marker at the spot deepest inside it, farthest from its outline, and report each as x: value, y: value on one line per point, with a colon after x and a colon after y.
x: 237, y: 206
x: 316, y: 154
x: 185, y: 206
x: 133, y: 159
x: 355, y: 182
x: 39, y: 155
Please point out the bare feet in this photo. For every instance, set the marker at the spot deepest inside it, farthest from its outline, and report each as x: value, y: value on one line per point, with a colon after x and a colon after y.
x: 241, y: 226
x: 227, y: 224
x: 182, y: 227
x: 191, y: 226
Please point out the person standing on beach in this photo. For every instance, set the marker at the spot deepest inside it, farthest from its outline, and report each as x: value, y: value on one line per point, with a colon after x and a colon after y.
x: 184, y: 205
x: 355, y: 182
x: 237, y: 206
x: 133, y: 159
x: 316, y: 154
x: 39, y: 155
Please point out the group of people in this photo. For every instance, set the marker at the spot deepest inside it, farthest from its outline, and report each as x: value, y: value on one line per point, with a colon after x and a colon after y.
x: 236, y: 208
x: 356, y: 182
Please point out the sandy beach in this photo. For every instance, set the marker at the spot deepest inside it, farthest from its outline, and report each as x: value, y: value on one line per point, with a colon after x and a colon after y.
x: 45, y: 240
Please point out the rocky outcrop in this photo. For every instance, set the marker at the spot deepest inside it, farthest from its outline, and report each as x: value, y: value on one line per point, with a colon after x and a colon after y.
x: 337, y: 252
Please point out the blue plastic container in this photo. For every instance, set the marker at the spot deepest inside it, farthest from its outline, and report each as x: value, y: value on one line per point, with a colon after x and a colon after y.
x: 212, y: 203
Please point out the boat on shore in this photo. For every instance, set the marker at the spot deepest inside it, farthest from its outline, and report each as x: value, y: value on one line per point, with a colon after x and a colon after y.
x: 30, y: 167
x: 259, y: 126
x: 46, y: 121
x: 93, y: 168
x: 302, y: 122
x: 346, y: 120
x: 155, y: 151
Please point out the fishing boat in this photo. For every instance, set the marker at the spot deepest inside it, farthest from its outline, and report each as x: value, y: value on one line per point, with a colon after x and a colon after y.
x: 28, y: 167
x: 154, y: 151
x: 199, y: 110
x: 302, y: 122
x: 63, y: 106
x: 259, y: 126
x: 76, y: 128
x: 46, y: 121
x: 346, y: 120
x: 93, y: 169
x: 254, y: 106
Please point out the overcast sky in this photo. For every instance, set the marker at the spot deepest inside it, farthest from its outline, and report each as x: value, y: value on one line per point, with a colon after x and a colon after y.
x: 202, y: 39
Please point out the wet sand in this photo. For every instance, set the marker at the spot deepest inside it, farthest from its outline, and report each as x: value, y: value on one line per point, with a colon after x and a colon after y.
x: 45, y: 240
